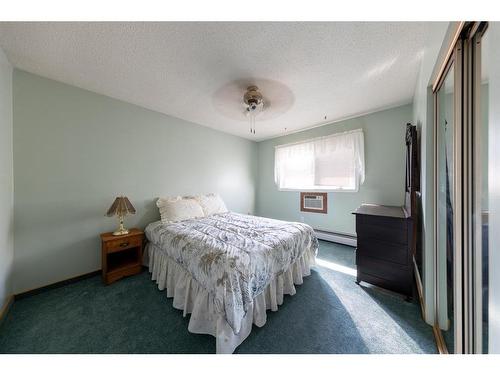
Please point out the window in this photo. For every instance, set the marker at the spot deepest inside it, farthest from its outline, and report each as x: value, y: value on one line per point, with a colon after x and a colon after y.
x: 335, y: 162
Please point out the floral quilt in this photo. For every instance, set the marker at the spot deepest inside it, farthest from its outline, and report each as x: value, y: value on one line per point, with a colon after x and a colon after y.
x: 233, y: 256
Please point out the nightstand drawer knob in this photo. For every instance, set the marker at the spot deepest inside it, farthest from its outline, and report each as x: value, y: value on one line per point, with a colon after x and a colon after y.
x: 124, y: 244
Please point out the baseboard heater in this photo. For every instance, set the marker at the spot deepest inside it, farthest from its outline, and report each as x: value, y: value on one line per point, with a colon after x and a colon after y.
x: 342, y: 238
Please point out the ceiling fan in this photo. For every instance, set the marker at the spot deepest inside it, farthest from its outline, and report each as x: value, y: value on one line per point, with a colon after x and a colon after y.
x: 254, y: 102
x: 251, y: 99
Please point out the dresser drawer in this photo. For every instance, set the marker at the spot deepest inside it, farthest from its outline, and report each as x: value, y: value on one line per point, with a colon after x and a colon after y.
x: 380, y: 228
x: 385, y: 251
x: 123, y: 243
x: 385, y: 274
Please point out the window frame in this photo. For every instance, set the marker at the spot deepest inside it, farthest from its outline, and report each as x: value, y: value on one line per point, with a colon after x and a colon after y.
x: 322, y: 189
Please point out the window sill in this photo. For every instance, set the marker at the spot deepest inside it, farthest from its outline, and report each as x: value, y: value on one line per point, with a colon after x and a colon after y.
x: 318, y: 190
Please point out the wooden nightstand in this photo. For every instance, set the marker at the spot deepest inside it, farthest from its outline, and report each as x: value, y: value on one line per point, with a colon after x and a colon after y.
x: 121, y: 255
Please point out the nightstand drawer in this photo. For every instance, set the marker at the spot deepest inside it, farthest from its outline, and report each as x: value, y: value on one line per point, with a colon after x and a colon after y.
x: 123, y: 243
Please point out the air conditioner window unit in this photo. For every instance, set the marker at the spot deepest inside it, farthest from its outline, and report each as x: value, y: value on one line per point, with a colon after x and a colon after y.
x: 313, y: 202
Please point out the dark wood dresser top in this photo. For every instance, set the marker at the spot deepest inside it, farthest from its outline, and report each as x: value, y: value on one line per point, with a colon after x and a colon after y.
x: 379, y: 210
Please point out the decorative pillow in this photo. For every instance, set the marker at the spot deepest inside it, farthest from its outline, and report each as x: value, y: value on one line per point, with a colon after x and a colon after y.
x: 178, y: 209
x: 212, y: 204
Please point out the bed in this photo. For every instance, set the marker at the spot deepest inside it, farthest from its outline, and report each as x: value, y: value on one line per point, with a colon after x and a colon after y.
x: 227, y: 269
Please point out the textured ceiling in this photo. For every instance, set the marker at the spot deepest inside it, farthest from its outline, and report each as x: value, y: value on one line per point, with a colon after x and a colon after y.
x: 190, y: 70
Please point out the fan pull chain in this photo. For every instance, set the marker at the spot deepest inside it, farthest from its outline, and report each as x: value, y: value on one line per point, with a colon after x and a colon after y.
x: 252, y: 123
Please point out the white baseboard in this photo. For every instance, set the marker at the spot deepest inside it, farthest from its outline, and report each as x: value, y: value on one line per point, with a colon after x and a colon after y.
x: 336, y: 237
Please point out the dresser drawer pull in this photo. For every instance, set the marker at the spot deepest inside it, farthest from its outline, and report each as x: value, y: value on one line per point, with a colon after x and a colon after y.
x: 124, y: 244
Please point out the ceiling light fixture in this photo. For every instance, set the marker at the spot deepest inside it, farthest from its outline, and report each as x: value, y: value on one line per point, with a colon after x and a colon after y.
x: 254, y: 105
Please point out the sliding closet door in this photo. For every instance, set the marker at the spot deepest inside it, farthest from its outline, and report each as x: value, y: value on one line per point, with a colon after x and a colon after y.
x: 461, y: 206
x: 447, y: 203
x: 480, y: 197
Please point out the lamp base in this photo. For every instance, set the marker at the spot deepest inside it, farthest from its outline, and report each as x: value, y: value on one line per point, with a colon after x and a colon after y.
x: 120, y: 232
x: 121, y: 229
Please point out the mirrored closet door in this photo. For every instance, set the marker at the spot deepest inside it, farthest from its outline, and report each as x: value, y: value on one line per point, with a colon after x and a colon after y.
x: 479, y: 189
x: 446, y: 194
x: 461, y: 95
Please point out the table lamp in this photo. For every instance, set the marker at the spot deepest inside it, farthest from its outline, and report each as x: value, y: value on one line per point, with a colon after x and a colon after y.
x: 121, y: 207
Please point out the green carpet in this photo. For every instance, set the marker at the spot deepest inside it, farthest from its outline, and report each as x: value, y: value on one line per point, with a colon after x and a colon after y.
x: 329, y: 314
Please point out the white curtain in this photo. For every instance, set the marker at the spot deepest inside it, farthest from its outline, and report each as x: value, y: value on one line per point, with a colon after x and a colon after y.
x: 335, y: 162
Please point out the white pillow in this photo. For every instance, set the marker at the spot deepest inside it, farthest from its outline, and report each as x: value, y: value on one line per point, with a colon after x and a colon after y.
x: 212, y: 204
x: 178, y: 209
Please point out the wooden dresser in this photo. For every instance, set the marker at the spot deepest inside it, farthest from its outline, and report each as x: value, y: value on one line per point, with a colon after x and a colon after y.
x: 387, y: 235
x: 384, y: 254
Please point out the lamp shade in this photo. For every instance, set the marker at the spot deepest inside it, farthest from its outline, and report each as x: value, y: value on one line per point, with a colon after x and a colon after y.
x: 121, y: 207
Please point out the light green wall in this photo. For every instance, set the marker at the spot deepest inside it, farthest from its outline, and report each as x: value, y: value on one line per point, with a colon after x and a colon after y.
x: 75, y: 150
x: 6, y: 180
x: 384, y: 134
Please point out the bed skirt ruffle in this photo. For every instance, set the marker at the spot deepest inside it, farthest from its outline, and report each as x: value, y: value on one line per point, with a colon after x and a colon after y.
x: 190, y: 297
